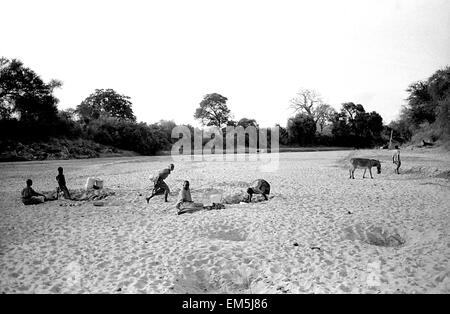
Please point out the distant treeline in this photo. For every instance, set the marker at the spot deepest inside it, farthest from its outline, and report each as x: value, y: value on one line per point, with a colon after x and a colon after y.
x: 29, y: 114
x: 426, y: 117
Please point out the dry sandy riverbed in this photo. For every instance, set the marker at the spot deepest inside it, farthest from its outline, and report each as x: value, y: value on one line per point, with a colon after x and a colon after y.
x: 320, y: 233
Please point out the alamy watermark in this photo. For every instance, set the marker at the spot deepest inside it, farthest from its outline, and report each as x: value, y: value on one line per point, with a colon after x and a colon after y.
x: 252, y: 144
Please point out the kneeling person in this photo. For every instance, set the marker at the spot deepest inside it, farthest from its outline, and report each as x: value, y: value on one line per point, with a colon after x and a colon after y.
x: 259, y: 186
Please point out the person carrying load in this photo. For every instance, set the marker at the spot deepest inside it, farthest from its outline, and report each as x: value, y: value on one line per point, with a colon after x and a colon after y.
x: 160, y: 187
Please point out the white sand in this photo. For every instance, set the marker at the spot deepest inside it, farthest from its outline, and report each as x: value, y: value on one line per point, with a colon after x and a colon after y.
x: 128, y: 246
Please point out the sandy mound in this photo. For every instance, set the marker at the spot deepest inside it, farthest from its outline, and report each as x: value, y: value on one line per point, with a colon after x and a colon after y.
x: 374, y: 235
x: 425, y: 171
x: 222, y: 231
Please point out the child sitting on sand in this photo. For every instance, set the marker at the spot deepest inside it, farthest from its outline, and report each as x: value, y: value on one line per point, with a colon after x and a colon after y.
x: 62, y: 184
x: 185, y: 203
x: 30, y: 196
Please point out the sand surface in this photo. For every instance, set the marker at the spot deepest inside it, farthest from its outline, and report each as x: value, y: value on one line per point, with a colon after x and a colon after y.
x: 320, y: 233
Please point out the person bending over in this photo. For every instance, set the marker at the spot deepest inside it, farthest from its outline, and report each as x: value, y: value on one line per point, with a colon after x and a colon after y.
x: 160, y: 187
x: 259, y: 186
x: 30, y: 196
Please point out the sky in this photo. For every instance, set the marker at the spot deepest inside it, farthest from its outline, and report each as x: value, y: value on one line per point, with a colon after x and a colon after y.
x: 166, y: 55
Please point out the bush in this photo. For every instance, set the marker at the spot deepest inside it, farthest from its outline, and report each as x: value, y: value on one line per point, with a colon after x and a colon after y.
x: 139, y: 137
x: 427, y: 132
x: 32, y: 131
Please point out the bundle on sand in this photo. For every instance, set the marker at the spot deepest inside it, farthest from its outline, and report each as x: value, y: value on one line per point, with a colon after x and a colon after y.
x: 237, y: 198
x: 82, y: 195
x: 91, y: 195
x: 194, y: 207
x: 189, y: 207
x: 50, y: 196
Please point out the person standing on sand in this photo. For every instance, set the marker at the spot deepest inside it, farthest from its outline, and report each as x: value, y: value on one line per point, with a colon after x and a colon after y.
x: 160, y: 187
x: 259, y: 186
x: 30, y: 196
x: 396, y: 159
x: 62, y: 184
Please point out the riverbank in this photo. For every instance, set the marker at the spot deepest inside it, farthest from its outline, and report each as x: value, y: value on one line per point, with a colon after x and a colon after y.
x: 59, y: 149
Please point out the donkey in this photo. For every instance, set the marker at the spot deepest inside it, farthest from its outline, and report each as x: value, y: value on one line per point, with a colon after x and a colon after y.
x: 363, y: 163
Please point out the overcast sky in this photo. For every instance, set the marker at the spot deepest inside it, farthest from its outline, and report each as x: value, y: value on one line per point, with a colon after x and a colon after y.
x: 166, y: 55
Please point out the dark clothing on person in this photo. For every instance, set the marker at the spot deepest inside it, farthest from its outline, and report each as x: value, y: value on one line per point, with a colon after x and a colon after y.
x: 260, y: 186
x: 28, y: 193
x: 159, y: 184
x: 30, y: 196
x: 160, y: 187
x: 61, y: 180
x: 62, y: 186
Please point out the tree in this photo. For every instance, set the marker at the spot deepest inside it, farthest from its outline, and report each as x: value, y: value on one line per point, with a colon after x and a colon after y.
x: 245, y: 122
x: 232, y: 123
x: 105, y: 102
x: 427, y: 113
x: 305, y: 100
x: 342, y: 129
x: 355, y: 127
x: 24, y: 94
x: 310, y: 102
x: 420, y: 105
x: 283, y: 133
x: 324, y: 113
x: 166, y: 127
x: 439, y: 90
x: 301, y: 129
x: 351, y: 110
x: 213, y: 110
x: 401, y: 128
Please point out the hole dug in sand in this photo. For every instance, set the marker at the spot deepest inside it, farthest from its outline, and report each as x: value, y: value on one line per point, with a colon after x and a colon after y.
x: 226, y: 233
x: 222, y: 231
x: 237, y: 280
x: 374, y: 235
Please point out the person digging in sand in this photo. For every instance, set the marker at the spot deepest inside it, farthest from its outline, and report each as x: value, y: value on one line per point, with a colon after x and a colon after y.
x: 62, y: 184
x: 30, y: 196
x: 160, y: 187
x: 259, y: 186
